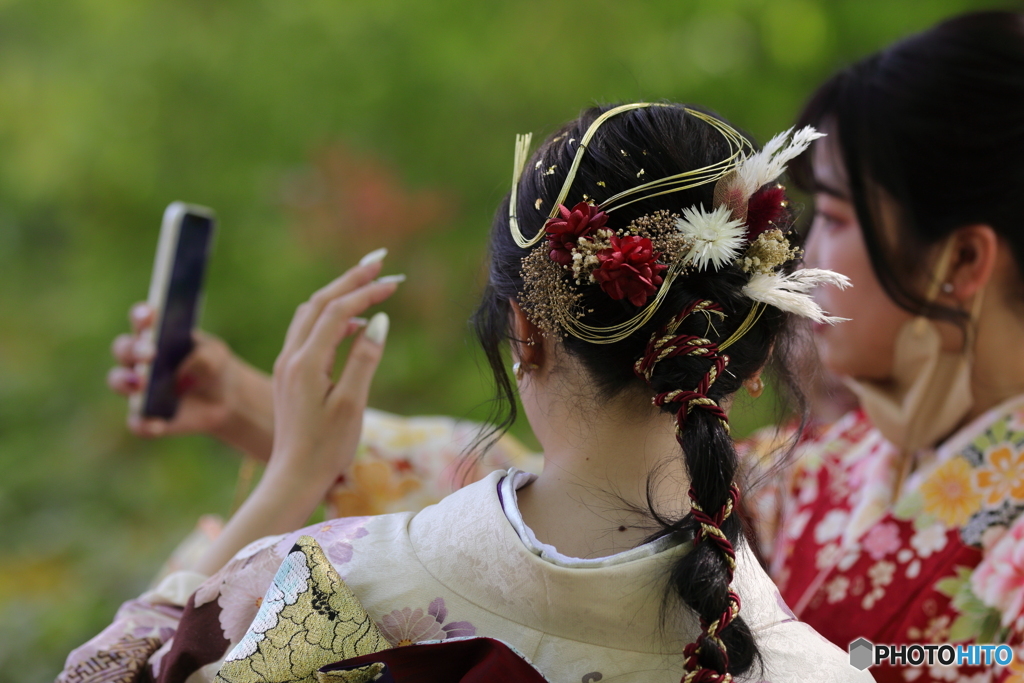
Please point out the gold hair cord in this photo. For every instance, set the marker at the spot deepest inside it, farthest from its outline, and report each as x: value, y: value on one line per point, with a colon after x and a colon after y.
x: 522, y: 153
x: 752, y: 317
x: 568, y: 319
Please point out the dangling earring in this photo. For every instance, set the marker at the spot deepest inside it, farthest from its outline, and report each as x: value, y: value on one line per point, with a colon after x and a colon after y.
x: 520, y: 369
x: 754, y: 386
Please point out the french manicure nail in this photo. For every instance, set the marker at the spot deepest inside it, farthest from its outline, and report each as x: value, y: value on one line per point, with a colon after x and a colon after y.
x: 144, y: 349
x: 388, y: 279
x: 361, y: 322
x: 377, y: 329
x: 373, y: 257
x: 139, y: 312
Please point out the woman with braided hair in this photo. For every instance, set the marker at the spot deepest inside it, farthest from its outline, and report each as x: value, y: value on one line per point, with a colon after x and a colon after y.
x: 641, y: 273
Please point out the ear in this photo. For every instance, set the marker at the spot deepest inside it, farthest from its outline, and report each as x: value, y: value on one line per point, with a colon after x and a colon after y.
x: 527, y: 339
x: 754, y: 384
x: 975, y: 252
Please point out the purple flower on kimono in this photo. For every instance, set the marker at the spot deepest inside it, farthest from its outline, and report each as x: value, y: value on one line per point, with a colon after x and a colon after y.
x: 242, y: 592
x: 408, y: 626
x: 334, y: 536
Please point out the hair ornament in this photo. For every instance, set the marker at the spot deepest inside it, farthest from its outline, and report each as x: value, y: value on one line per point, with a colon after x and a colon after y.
x: 790, y: 292
x: 763, y: 167
x: 715, y: 236
x: 639, y: 262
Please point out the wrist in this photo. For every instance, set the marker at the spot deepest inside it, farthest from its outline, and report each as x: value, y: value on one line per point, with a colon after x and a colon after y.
x: 248, y: 424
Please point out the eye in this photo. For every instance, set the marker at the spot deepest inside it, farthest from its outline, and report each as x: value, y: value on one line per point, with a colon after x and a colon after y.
x: 831, y: 214
x: 827, y: 222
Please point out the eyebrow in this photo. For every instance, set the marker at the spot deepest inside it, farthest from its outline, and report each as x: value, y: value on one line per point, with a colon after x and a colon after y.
x: 831, y: 191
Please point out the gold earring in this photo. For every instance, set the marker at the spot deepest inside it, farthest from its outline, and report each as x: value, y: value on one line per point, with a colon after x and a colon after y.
x: 754, y: 386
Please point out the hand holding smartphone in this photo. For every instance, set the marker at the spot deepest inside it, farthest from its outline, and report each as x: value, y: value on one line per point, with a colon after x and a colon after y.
x: 175, y: 290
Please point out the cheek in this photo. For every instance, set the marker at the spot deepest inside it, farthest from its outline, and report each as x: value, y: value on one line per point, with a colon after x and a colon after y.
x: 863, y: 346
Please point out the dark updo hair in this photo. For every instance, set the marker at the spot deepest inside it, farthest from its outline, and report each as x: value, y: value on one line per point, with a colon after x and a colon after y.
x: 647, y: 143
x: 936, y: 122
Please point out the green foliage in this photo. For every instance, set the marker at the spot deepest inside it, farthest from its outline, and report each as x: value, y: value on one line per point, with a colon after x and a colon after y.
x: 319, y: 130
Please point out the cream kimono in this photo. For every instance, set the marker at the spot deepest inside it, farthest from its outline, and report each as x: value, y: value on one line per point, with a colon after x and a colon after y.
x: 457, y: 569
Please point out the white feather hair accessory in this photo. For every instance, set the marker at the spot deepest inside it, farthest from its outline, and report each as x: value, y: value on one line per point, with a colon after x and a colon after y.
x: 791, y: 292
x: 761, y: 168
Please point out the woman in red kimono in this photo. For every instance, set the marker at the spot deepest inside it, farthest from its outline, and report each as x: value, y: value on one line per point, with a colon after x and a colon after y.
x: 901, y: 523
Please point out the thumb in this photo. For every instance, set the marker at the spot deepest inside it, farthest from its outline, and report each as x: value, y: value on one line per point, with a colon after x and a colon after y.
x: 363, y: 359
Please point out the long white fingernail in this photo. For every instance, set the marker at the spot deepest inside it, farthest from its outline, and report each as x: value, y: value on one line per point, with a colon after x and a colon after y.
x: 144, y: 349
x: 388, y: 279
x: 356, y: 320
x: 377, y: 329
x: 373, y: 257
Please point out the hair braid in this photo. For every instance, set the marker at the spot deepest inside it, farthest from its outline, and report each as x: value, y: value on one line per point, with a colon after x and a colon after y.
x: 707, y: 658
x: 681, y: 364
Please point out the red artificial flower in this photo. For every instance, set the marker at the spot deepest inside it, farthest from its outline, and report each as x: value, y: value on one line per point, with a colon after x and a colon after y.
x: 569, y: 226
x: 629, y: 270
x: 764, y: 209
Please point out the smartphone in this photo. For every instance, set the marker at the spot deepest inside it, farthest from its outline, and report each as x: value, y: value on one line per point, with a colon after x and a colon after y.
x: 175, y: 290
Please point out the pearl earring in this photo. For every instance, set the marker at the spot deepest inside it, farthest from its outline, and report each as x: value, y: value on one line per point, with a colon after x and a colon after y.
x: 520, y: 369
x: 947, y: 287
x: 754, y: 386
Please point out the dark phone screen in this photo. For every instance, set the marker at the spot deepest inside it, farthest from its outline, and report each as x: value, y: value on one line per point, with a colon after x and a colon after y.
x: 179, y: 314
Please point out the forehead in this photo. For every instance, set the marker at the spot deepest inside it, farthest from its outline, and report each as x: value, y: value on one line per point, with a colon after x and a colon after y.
x: 829, y: 170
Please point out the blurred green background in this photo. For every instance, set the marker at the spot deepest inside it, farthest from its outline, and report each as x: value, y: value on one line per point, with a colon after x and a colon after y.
x: 319, y: 130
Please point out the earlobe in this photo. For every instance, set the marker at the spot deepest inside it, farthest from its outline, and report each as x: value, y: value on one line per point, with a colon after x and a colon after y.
x: 527, y: 348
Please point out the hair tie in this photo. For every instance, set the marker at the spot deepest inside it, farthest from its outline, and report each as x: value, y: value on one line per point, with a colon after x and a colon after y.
x: 666, y: 344
x: 710, y: 527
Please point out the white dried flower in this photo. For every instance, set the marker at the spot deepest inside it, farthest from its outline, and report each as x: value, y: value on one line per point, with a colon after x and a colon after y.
x: 715, y: 236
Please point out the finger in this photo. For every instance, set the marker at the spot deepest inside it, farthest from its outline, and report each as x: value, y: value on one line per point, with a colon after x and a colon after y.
x: 123, y: 349
x: 363, y: 359
x: 141, y: 316
x: 335, y: 321
x: 124, y: 381
x: 307, y: 314
x: 147, y: 427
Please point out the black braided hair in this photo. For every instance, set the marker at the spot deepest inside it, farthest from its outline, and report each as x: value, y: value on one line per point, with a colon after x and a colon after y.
x: 658, y: 141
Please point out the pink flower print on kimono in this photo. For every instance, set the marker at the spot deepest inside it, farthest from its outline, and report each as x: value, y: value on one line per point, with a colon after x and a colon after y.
x: 408, y: 626
x: 999, y: 579
x: 334, y: 536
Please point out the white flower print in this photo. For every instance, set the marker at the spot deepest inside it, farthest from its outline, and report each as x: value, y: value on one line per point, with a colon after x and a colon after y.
x: 831, y: 526
x: 827, y: 556
x: 242, y: 593
x: 796, y: 526
x: 914, y: 569
x: 849, y: 558
x: 881, y: 573
x: 871, y: 598
x: 930, y: 539
x: 836, y: 589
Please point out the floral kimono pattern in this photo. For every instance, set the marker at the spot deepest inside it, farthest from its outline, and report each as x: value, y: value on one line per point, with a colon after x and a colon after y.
x: 455, y: 570
x: 944, y: 564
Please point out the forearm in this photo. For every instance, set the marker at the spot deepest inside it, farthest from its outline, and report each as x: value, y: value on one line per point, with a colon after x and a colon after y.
x: 274, y: 507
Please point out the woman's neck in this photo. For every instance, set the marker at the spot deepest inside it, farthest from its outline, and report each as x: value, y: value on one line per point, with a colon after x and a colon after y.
x: 998, y: 365
x: 590, y: 499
